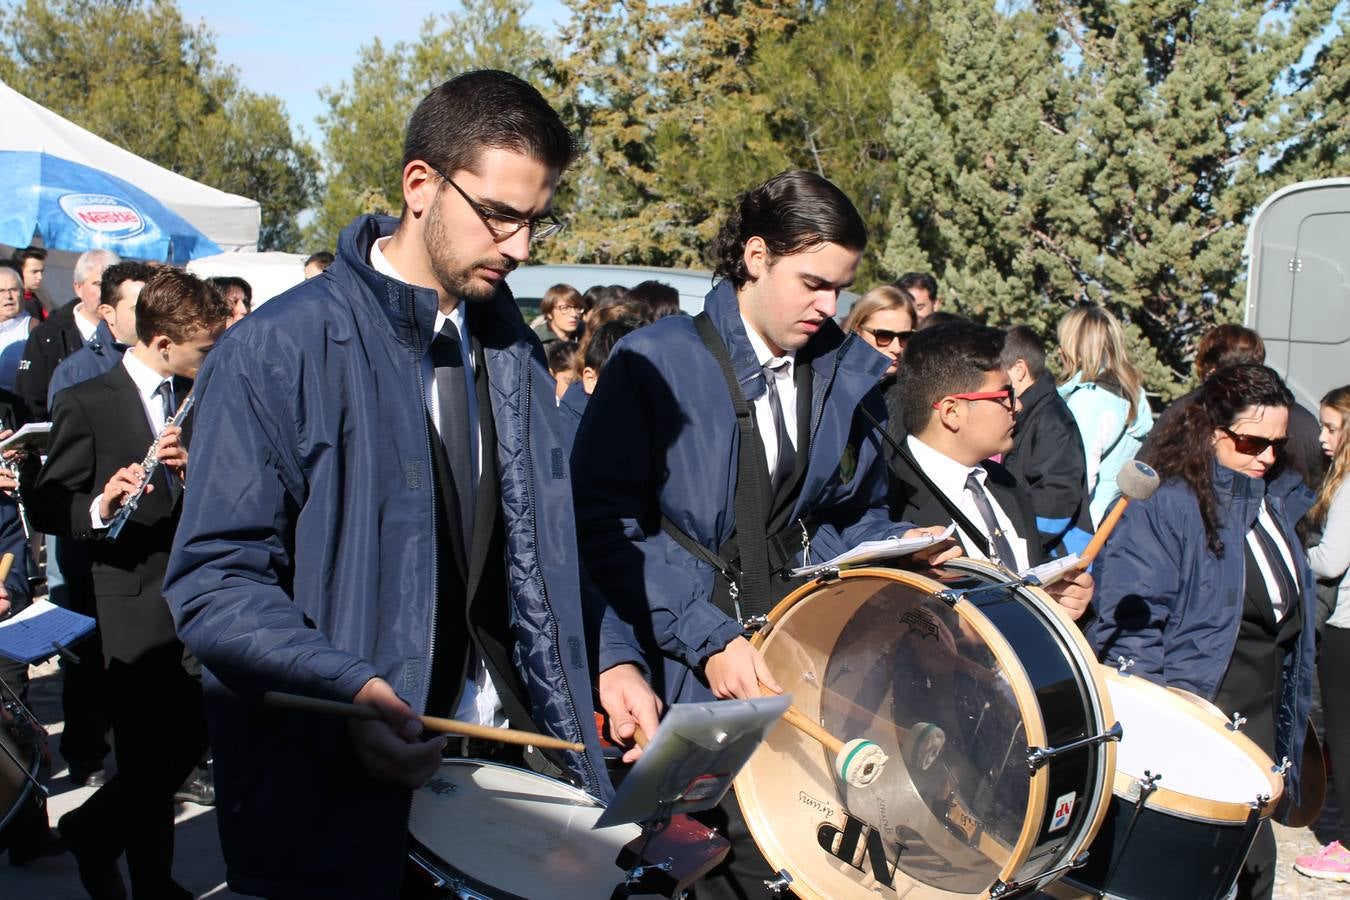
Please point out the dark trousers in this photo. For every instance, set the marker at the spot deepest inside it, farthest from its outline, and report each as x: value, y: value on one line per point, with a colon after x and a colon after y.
x: 160, y: 735
x: 1333, y: 670
x: 84, y: 741
x: 743, y: 873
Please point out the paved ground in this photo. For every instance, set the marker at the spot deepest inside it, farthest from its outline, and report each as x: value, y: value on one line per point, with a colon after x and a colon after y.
x: 198, y: 865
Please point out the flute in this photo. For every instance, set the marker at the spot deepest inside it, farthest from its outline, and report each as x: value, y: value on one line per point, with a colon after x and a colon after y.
x: 149, y: 464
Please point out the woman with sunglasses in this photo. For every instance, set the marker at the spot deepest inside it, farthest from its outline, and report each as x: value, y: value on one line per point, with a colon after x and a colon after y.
x: 1330, y: 558
x: 884, y: 317
x: 1205, y: 585
x: 1105, y: 393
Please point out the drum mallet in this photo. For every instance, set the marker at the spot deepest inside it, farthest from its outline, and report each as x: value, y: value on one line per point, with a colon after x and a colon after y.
x: 430, y: 723
x: 1137, y: 481
x: 858, y: 762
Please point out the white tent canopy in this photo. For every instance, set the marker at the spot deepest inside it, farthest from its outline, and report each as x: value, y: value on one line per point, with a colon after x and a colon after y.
x: 268, y: 273
x: 228, y: 219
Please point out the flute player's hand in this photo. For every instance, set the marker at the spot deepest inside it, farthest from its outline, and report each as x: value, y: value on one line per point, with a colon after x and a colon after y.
x: 121, y: 486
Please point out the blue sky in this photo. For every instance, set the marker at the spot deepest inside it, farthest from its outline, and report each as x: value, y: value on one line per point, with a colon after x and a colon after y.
x: 293, y: 49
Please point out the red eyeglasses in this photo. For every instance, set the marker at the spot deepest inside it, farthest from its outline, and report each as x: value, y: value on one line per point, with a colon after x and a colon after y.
x: 1006, y: 396
x: 1251, y: 445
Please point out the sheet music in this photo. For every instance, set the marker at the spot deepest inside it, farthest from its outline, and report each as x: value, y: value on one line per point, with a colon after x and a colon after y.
x: 871, y: 551
x: 1046, y: 573
x: 33, y: 634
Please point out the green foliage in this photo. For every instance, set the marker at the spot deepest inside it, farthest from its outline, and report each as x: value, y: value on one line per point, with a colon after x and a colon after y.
x: 1107, y: 152
x: 367, y: 114
x: 134, y: 72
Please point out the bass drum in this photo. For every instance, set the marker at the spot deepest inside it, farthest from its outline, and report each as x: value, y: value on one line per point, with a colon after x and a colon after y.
x: 959, y: 679
x: 24, y: 757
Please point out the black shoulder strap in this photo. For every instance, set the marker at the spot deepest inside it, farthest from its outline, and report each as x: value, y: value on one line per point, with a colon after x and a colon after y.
x: 750, y: 589
x: 960, y: 518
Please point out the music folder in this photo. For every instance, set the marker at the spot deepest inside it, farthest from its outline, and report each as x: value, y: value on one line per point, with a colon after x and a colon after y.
x: 690, y: 762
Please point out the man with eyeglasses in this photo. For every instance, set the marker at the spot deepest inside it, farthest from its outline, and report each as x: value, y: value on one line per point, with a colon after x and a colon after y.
x: 380, y: 512
x: 959, y: 409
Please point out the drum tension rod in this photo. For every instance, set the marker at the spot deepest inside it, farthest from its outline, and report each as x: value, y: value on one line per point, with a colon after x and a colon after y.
x: 780, y: 885
x: 1282, y: 767
x: 952, y: 597
x: 1039, y: 756
x: 1002, y: 890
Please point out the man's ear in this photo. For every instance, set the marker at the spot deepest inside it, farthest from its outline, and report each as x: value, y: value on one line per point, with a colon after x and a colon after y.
x: 756, y: 257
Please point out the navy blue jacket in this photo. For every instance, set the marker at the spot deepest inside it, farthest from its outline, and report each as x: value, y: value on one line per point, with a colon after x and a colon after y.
x: 1165, y: 601
x: 659, y: 436
x: 306, y: 561
x: 90, y: 361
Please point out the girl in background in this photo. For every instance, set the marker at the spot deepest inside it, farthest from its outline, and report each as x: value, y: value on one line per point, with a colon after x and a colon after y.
x: 1105, y: 393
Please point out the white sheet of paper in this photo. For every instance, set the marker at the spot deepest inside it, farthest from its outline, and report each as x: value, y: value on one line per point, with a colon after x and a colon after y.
x: 1051, y: 570
x: 871, y: 551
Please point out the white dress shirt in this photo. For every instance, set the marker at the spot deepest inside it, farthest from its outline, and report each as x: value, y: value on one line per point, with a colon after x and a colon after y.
x: 787, y: 396
x: 1268, y: 574
x: 86, y: 327
x: 147, y: 382
x: 480, y: 702
x: 950, y: 478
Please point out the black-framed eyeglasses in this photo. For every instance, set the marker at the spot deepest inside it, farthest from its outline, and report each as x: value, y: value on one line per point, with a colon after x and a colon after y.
x: 1251, y: 445
x: 1006, y: 396
x: 884, y: 336
x: 504, y: 225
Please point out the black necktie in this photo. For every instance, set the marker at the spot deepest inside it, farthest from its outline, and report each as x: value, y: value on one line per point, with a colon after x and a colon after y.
x: 787, y: 454
x: 1275, y: 560
x: 998, y: 541
x: 452, y: 396
x: 165, y: 394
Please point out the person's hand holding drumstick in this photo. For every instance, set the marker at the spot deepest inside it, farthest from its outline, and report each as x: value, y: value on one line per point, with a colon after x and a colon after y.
x: 738, y: 672
x: 631, y: 705
x: 391, y: 747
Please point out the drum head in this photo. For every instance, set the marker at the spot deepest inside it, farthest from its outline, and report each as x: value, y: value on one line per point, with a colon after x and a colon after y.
x: 879, y: 656
x: 512, y: 832
x: 1206, y: 771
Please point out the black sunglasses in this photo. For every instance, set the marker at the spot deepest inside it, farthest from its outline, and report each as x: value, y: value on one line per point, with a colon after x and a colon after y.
x: 884, y: 336
x: 1251, y: 445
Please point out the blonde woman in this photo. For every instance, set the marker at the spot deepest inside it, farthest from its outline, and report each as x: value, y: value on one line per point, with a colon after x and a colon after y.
x: 884, y: 317
x: 1330, y: 559
x: 1105, y: 393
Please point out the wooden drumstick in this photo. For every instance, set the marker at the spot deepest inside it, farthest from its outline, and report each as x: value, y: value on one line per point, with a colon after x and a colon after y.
x: 6, y: 563
x: 1137, y: 481
x: 430, y: 723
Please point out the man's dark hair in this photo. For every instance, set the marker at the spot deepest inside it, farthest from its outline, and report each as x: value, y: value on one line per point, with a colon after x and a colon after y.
x: 924, y: 281
x: 23, y: 253
x: 1022, y: 342
x: 178, y: 304
x: 1228, y: 345
x: 943, y: 360
x: 601, y: 344
x: 482, y: 110
x: 223, y: 283
x: 119, y: 274
x: 323, y: 259
x: 791, y: 212
x: 941, y: 317
x: 661, y: 298
x: 561, y: 355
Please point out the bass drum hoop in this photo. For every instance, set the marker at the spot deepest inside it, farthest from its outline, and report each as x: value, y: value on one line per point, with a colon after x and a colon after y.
x: 761, y: 830
x: 33, y: 751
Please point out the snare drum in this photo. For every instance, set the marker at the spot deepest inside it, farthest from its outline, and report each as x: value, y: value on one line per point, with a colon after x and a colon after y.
x: 485, y: 830
x: 1190, y: 794
x: 989, y: 708
x: 24, y: 760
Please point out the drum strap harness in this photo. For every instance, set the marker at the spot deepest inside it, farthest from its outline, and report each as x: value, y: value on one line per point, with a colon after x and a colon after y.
x: 745, y: 588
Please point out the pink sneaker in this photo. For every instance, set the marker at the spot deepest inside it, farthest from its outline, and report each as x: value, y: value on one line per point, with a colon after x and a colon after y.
x: 1332, y: 863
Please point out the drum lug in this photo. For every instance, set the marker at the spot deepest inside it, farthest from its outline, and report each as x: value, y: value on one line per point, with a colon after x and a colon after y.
x: 638, y: 873
x: 755, y: 625
x: 1124, y: 665
x: 951, y: 598
x: 1238, y: 721
x: 1282, y: 767
x: 1039, y: 756
x: 780, y: 885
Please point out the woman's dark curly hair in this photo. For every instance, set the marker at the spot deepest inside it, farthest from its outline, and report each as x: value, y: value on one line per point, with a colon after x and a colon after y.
x: 1183, y: 447
x: 790, y: 212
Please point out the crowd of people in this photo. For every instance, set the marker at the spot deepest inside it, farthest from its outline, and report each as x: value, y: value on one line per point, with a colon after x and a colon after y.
x: 403, y: 495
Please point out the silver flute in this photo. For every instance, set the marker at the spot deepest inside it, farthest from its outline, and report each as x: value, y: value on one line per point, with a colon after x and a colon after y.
x: 149, y: 464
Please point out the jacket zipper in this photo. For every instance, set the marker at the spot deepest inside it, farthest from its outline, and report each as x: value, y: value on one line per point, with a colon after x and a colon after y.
x: 589, y: 771
x: 435, y: 555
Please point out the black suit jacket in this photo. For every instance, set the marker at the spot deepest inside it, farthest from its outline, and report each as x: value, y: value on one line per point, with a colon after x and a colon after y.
x: 99, y: 426
x: 911, y: 500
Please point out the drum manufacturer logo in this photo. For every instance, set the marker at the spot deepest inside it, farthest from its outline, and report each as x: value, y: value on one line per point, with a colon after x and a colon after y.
x: 103, y: 214
x: 819, y: 806
x: 860, y: 846
x: 440, y: 787
x: 1063, y: 811
x: 921, y: 622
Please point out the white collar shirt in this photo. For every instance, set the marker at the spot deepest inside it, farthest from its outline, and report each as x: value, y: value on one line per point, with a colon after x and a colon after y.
x: 147, y: 382
x: 1263, y: 564
x: 950, y: 477
x: 787, y: 395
